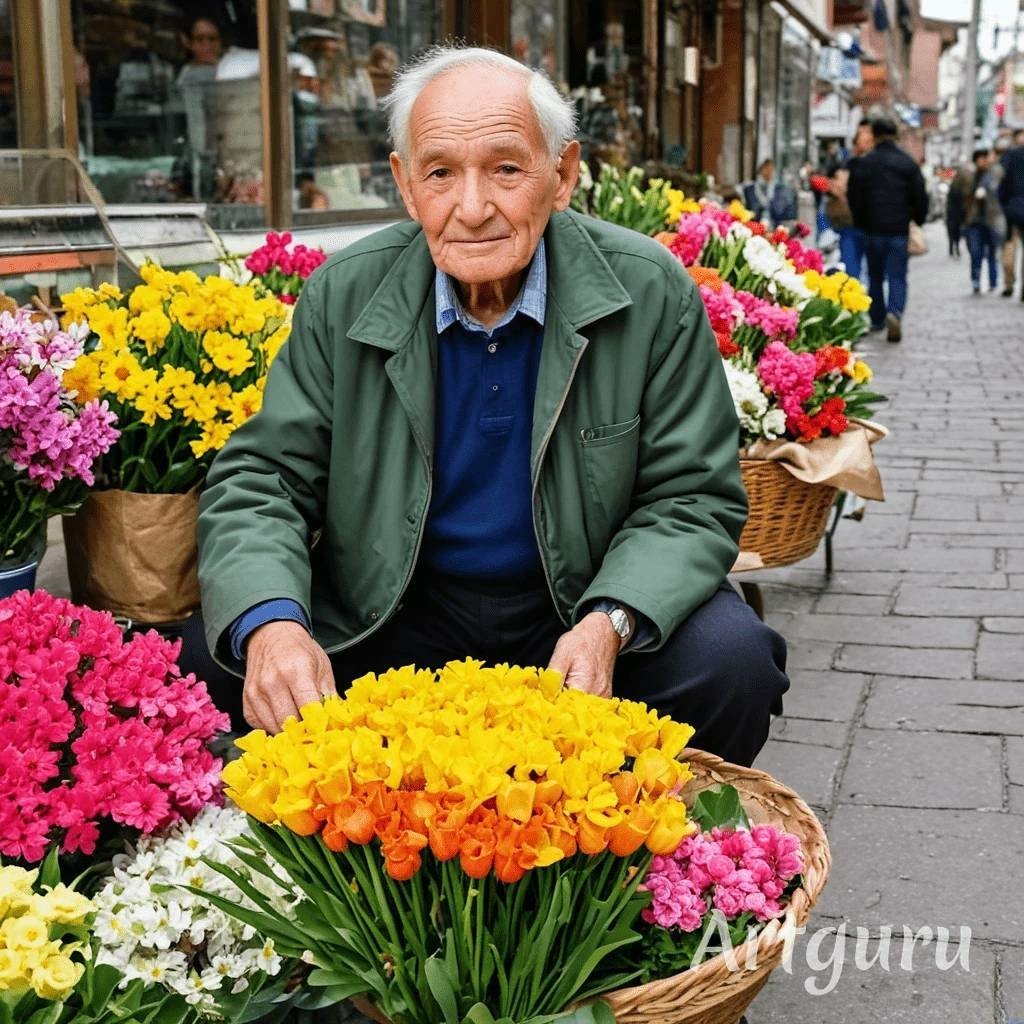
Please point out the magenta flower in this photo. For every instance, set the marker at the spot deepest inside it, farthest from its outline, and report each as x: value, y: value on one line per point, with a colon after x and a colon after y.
x: 789, y: 375
x: 94, y: 727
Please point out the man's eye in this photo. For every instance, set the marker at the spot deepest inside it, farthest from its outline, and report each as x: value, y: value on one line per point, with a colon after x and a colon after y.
x: 439, y: 172
x: 508, y: 169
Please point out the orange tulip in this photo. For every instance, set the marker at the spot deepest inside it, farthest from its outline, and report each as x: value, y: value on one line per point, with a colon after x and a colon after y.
x: 591, y: 838
x: 628, y: 836
x: 476, y: 855
x: 626, y: 787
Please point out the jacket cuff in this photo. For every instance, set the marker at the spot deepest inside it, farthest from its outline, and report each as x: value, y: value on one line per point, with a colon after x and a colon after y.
x: 279, y: 610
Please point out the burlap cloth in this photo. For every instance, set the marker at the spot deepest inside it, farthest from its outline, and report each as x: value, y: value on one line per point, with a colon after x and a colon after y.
x: 845, y: 462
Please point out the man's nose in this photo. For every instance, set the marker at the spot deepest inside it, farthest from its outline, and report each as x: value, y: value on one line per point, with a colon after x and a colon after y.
x: 474, y: 201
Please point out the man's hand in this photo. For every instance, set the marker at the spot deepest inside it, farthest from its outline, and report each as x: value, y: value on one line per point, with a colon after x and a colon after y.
x: 586, y: 655
x: 284, y: 669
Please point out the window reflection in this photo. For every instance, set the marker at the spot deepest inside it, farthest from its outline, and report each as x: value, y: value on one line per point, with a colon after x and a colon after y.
x: 342, y: 60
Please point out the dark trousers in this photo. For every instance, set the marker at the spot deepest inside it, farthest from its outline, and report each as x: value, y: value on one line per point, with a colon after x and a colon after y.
x: 722, y: 671
x: 982, y: 243
x: 887, y: 275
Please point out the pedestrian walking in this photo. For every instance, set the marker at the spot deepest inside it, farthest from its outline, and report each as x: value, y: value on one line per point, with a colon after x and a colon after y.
x: 769, y: 199
x: 954, y: 221
x: 975, y: 191
x: 837, y: 209
x: 1014, y: 231
x: 886, y: 193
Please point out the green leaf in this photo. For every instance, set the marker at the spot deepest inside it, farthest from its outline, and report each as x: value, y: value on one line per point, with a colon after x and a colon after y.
x: 719, y: 807
x: 442, y: 989
x: 103, y: 979
x: 49, y: 870
x: 47, y: 1014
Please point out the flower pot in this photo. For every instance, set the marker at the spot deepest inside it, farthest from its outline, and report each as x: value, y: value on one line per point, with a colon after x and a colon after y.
x: 19, y: 572
x: 135, y: 554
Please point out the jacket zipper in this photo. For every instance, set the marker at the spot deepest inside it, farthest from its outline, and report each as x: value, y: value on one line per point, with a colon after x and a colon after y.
x: 545, y: 440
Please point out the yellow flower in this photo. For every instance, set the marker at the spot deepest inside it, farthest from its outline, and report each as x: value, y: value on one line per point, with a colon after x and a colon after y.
x: 676, y: 204
x: 145, y: 297
x: 862, y: 373
x: 157, y: 278
x: 740, y: 212
x: 26, y: 932
x: 84, y: 379
x: 245, y: 404
x: 110, y: 291
x: 189, y: 310
x: 229, y: 354
x: 152, y: 402
x: 109, y: 324
x: 56, y: 977
x: 214, y: 437
x: 78, y: 305
x: 65, y: 906
x: 151, y: 327
x: 121, y: 375
x: 273, y: 344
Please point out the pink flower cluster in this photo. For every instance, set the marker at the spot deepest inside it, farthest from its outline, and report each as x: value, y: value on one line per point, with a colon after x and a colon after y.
x: 692, y: 234
x: 775, y: 321
x: 736, y: 872
x: 788, y: 375
x: 45, y: 434
x: 94, y: 727
x: 283, y: 271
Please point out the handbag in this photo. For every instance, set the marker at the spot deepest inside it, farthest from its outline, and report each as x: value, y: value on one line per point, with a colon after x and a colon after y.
x: 917, y: 244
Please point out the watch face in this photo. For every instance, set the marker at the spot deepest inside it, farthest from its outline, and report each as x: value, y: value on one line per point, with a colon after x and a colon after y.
x: 620, y: 623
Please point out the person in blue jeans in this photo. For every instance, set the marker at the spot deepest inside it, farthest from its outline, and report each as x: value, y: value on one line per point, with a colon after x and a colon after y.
x: 975, y: 190
x: 851, y: 238
x: 886, y: 191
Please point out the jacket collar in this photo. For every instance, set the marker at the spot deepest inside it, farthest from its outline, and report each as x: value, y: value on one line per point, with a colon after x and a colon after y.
x: 579, y: 280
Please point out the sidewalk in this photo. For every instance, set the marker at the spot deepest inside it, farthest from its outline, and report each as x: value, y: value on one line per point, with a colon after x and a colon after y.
x: 905, y: 723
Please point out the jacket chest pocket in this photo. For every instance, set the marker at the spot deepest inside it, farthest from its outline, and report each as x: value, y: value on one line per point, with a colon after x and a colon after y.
x: 610, y: 454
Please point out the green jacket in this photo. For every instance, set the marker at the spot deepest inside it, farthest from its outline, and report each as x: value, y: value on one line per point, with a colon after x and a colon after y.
x: 323, y: 496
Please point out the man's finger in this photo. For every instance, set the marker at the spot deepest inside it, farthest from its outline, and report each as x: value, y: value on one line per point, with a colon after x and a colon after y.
x: 325, y: 683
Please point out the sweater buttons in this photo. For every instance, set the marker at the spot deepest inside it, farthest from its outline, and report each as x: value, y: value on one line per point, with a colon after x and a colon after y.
x: 374, y: 616
x: 493, y: 347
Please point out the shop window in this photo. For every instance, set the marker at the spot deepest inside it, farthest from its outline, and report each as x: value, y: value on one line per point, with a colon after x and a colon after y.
x: 8, y: 106
x: 169, y: 104
x: 342, y: 60
x: 768, y: 73
x: 795, y: 85
x: 607, y: 79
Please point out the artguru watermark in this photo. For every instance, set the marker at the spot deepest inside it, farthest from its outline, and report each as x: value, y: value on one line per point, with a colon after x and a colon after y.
x: 828, y: 949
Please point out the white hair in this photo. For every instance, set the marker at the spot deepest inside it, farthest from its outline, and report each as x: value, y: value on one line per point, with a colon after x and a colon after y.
x: 556, y: 116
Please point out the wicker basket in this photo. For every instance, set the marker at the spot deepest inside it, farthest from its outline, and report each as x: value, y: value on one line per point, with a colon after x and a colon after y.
x: 787, y: 516
x: 711, y: 993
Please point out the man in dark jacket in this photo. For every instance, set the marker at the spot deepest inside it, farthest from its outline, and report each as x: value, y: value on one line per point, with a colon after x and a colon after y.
x: 1011, y: 189
x: 886, y: 192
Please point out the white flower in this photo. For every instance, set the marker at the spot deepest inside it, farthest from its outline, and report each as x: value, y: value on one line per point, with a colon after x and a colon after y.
x: 762, y: 257
x: 740, y: 231
x: 790, y: 281
x: 750, y: 401
x: 774, y: 424
x: 151, y: 928
x: 586, y: 181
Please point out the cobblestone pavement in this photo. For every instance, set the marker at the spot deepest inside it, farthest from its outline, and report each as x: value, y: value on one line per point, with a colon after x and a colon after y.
x: 904, y: 726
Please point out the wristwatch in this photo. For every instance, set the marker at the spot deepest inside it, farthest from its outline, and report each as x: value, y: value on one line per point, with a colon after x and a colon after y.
x: 620, y: 623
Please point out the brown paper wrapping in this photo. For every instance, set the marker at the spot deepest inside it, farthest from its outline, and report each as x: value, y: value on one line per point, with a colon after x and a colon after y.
x: 135, y: 554
x: 845, y: 461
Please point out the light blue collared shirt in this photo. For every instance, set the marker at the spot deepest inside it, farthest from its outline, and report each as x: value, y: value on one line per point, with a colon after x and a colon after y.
x: 531, y: 301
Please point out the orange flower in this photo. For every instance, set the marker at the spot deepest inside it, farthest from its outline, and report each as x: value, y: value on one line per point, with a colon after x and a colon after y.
x: 516, y: 799
x: 628, y: 836
x: 591, y: 838
x: 400, y: 847
x: 446, y: 828
x: 706, y: 276
x: 476, y: 854
x: 626, y: 787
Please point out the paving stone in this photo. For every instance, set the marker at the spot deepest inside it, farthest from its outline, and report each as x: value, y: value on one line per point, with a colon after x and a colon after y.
x: 962, y: 706
x: 929, y: 558
x: 908, y: 769
x: 827, y: 696
x: 1002, y: 510
x: 893, y: 865
x: 1001, y: 656
x: 1003, y: 625
x: 891, y: 630
x: 790, y: 728
x: 806, y: 768
x: 925, y: 994
x: 778, y: 599
x: 852, y: 604
x: 958, y: 488
x: 973, y: 603
x: 810, y: 654
x: 956, y: 580
x: 1011, y: 970
x: 1015, y: 760
x: 906, y: 661
x: 1014, y: 561
x: 945, y: 508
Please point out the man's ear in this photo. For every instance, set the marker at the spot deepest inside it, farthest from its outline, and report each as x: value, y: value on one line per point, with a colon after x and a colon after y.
x: 402, y: 181
x: 568, y: 171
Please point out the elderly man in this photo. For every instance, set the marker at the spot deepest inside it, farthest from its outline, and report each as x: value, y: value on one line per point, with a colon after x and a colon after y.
x: 499, y: 431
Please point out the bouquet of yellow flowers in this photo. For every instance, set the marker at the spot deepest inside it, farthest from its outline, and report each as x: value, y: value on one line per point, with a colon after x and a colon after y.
x: 182, y: 361
x: 470, y: 841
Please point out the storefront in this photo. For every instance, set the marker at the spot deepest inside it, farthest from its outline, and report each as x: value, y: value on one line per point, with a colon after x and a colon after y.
x: 268, y: 111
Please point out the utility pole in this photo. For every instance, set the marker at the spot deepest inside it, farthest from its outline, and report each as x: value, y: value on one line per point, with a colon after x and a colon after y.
x: 970, y: 85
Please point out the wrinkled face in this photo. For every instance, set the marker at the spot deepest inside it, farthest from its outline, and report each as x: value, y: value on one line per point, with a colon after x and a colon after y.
x: 479, y: 178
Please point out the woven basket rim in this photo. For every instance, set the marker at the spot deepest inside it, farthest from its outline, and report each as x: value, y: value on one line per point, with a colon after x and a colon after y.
x: 767, y: 949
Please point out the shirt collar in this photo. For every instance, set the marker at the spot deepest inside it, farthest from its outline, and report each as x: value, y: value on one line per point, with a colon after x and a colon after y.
x: 531, y: 300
